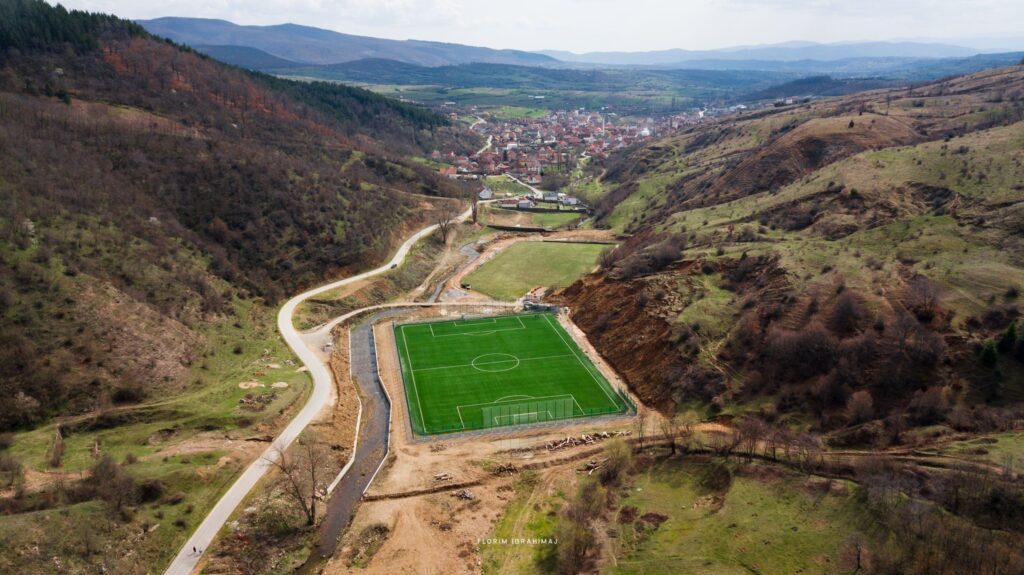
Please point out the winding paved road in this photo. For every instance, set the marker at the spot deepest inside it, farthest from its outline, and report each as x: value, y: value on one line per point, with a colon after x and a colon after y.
x: 308, y: 349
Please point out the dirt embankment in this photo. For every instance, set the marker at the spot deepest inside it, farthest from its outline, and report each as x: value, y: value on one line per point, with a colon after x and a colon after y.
x: 628, y: 334
x: 633, y: 324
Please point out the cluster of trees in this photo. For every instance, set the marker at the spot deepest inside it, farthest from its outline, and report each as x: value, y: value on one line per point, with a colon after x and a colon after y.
x: 34, y: 24
x: 1009, y: 343
x: 970, y: 525
x: 844, y: 364
x: 647, y: 255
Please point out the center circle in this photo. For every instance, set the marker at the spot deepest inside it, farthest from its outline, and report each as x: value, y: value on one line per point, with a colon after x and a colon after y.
x: 494, y: 362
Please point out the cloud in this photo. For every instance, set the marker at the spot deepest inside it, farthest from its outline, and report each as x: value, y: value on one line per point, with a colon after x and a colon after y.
x: 591, y: 25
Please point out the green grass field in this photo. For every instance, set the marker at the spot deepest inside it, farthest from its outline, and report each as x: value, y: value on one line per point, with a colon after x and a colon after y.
x: 514, y: 271
x: 489, y: 372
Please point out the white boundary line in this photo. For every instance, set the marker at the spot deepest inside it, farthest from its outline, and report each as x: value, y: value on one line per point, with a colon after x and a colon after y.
x: 412, y: 374
x: 359, y: 421
x: 548, y: 319
x: 472, y: 322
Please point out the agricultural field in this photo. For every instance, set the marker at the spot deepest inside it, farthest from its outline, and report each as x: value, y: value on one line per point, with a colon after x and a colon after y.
x: 503, y: 217
x: 479, y: 373
x: 514, y: 271
x: 503, y: 185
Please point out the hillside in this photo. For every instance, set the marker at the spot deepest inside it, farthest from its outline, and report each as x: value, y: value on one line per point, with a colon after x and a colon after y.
x: 157, y: 206
x: 309, y: 45
x: 799, y: 263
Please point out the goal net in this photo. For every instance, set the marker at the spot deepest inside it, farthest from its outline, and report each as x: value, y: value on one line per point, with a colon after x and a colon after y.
x: 535, y: 411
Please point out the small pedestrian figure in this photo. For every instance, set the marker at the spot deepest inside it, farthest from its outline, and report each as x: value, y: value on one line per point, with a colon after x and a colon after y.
x: 194, y: 549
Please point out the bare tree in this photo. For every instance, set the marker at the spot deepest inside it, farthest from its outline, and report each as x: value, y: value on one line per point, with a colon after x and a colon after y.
x: 113, y: 484
x: 860, y: 407
x: 639, y: 427
x: 670, y: 429
x: 447, y: 217
x: 303, y: 470
x: 750, y: 431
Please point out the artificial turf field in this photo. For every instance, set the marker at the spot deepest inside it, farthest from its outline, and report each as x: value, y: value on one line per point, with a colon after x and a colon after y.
x: 489, y: 372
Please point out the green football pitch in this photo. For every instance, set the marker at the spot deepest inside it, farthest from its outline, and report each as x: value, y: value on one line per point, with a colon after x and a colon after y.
x: 478, y: 373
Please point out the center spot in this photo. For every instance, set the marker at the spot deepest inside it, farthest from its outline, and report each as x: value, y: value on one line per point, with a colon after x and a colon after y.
x: 496, y: 362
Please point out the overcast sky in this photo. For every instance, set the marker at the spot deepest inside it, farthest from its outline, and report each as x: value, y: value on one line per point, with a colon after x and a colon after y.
x: 602, y: 25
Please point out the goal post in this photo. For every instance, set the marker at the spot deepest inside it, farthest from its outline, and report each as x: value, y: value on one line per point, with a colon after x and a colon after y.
x: 535, y: 411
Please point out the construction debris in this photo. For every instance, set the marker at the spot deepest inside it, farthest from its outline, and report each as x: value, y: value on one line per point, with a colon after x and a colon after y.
x: 257, y: 402
x: 593, y: 465
x: 506, y: 469
x: 442, y: 477
x: 464, y: 494
x: 585, y: 439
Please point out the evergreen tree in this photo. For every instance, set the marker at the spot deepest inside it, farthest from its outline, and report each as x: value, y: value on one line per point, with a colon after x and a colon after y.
x: 1008, y: 339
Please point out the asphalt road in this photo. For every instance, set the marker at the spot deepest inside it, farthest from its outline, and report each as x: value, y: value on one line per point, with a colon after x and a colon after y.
x: 321, y: 397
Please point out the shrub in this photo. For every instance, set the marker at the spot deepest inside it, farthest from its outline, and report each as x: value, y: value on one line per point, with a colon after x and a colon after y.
x: 11, y: 471
x: 1008, y: 339
x: 151, y: 490
x: 929, y: 406
x: 989, y: 354
x: 112, y: 484
x: 799, y: 355
x: 574, y: 543
x: 860, y: 407
x: 716, y: 478
x: 619, y: 458
x: 846, y: 314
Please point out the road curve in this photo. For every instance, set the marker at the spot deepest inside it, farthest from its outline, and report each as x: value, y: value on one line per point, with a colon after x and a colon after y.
x: 322, y: 396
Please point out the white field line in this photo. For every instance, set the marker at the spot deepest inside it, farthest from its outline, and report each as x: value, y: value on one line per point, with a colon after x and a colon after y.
x: 472, y: 334
x: 532, y: 399
x: 412, y: 374
x: 493, y: 362
x: 582, y: 363
x: 472, y: 322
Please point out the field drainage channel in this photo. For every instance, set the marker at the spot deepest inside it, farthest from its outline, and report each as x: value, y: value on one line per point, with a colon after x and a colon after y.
x: 373, y: 442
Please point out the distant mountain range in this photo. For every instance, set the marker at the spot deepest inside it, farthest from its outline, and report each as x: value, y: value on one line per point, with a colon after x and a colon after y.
x: 303, y: 45
x: 307, y: 45
x: 302, y: 51
x: 788, y: 52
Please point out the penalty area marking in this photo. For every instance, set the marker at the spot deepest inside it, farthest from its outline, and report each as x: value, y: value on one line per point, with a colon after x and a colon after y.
x: 494, y: 321
x: 458, y: 408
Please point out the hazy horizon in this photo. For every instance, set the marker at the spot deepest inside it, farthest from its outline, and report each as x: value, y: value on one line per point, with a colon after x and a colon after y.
x: 611, y: 25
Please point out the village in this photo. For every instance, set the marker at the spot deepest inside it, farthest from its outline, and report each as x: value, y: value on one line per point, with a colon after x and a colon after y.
x: 528, y: 148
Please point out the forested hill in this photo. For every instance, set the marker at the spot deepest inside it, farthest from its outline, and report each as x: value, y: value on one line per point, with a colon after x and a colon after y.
x: 146, y: 188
